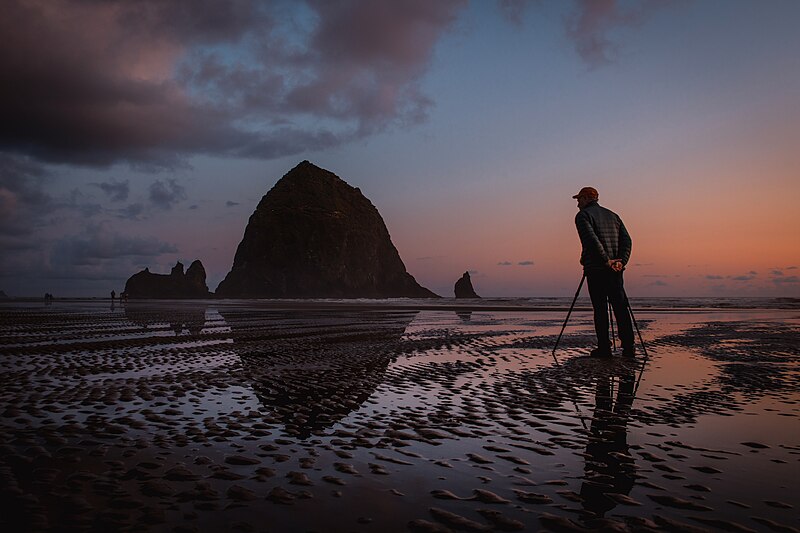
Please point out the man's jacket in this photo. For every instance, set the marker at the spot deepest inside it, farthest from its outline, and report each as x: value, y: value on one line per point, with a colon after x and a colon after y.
x: 603, y: 236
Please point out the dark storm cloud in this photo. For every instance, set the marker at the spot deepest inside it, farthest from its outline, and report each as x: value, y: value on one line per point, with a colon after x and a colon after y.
x: 116, y: 191
x: 95, y: 81
x: 165, y: 194
x: 366, y: 58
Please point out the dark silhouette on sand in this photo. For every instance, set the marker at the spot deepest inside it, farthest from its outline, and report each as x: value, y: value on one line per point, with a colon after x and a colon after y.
x: 606, y: 250
x: 314, y: 236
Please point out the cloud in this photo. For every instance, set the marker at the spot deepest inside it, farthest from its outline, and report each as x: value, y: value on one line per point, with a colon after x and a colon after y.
x: 165, y: 195
x: 150, y: 82
x: 99, y: 245
x: 658, y: 283
x: 714, y: 277
x: 231, y: 203
x: 505, y: 263
x: 746, y: 277
x: 131, y: 212
x: 785, y: 279
x: 23, y: 200
x: 525, y: 263
x: 116, y: 191
x: 84, y: 261
x: 514, y: 10
x: 777, y: 273
x: 591, y: 23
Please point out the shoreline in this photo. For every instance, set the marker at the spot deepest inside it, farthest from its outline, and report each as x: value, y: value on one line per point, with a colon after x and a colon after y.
x: 443, y: 304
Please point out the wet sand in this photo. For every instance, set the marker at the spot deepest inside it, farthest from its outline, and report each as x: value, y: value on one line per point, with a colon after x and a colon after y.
x: 250, y: 416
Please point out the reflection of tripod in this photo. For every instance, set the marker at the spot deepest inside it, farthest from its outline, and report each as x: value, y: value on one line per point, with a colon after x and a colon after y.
x: 630, y: 311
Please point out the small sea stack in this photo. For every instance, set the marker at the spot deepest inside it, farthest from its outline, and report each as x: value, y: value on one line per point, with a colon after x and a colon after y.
x: 464, y: 289
x: 175, y: 285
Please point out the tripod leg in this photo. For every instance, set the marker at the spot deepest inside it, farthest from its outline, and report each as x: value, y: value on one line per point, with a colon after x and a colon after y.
x: 580, y: 286
x: 644, y: 348
x: 611, y: 321
x: 639, y: 333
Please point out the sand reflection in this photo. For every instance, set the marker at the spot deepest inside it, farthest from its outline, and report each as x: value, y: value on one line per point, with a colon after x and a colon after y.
x: 178, y: 318
x: 609, y: 468
x: 312, y: 370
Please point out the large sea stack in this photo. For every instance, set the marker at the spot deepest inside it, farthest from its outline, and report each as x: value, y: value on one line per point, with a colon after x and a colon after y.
x: 314, y: 236
x: 192, y: 284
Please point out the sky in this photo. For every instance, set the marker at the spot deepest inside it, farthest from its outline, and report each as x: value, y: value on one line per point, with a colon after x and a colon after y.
x: 136, y: 133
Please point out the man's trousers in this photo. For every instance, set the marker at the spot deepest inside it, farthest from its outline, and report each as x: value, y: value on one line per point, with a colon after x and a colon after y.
x: 606, y: 286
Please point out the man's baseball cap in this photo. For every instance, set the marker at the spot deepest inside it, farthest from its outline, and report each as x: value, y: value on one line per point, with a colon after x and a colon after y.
x: 589, y: 192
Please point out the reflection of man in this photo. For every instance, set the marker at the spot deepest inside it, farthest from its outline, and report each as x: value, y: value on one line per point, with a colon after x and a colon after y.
x: 609, y: 468
x: 606, y: 250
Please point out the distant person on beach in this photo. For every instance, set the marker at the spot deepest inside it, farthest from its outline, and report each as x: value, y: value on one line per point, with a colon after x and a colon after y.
x: 113, y: 295
x: 606, y: 250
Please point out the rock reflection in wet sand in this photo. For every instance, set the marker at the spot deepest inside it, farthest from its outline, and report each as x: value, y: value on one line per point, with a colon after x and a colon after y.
x: 237, y: 416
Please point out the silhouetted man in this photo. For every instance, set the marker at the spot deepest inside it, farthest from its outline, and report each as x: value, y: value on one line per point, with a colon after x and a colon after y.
x: 606, y: 250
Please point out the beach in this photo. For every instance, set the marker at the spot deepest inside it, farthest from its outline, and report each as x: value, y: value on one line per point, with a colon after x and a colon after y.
x: 235, y: 415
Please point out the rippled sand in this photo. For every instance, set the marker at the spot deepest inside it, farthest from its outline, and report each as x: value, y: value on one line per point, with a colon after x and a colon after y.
x: 182, y: 416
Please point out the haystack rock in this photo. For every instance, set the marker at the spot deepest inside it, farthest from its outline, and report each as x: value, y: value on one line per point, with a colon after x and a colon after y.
x: 314, y: 236
x: 464, y: 288
x: 192, y: 284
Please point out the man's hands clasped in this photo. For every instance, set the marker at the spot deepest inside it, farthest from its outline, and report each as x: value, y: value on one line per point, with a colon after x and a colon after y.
x: 616, y: 265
